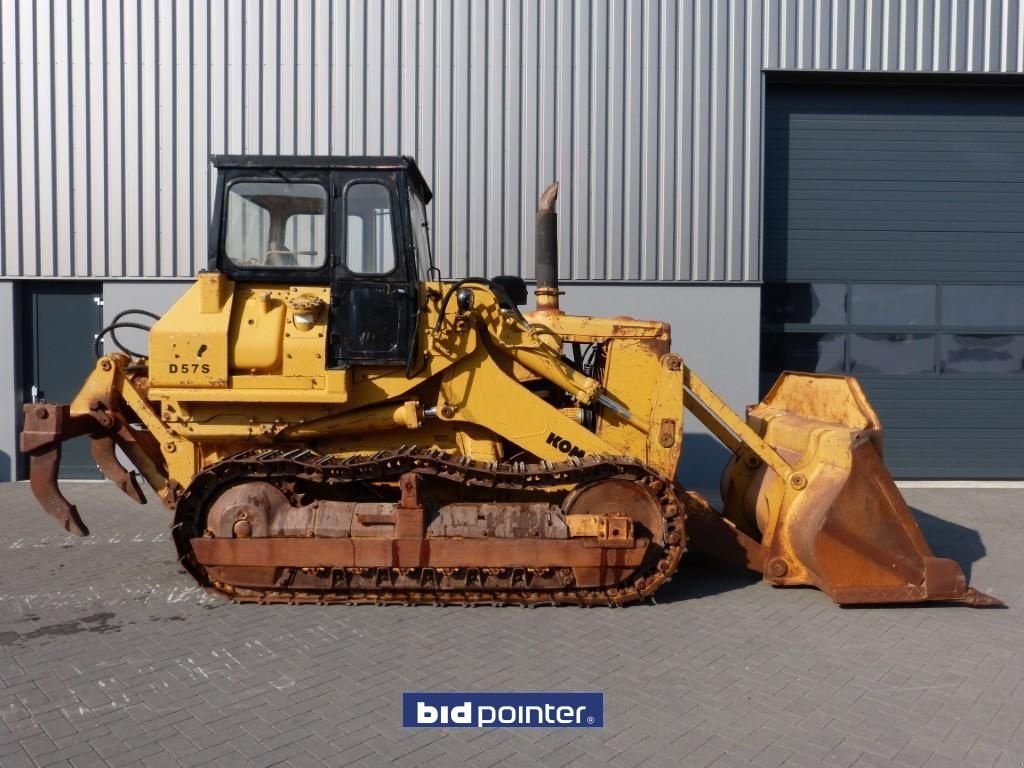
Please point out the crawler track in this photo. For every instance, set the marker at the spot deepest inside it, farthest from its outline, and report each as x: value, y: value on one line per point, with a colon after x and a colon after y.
x: 306, y: 473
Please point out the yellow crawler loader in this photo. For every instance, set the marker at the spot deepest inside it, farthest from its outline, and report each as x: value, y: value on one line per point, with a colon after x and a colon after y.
x: 330, y: 421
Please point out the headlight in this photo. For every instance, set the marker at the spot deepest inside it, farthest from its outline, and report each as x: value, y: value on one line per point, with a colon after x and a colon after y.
x: 464, y: 299
x: 304, y: 320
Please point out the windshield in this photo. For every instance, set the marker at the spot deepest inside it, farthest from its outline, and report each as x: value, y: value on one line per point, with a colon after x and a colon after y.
x: 276, y: 224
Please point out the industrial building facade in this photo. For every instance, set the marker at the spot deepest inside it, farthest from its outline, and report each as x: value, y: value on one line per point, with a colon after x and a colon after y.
x: 830, y: 185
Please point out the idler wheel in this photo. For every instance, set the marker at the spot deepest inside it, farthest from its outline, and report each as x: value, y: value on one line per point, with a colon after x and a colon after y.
x: 619, y: 498
x: 245, y: 510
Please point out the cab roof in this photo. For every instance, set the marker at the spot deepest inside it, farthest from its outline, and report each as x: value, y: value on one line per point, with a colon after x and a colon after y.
x: 330, y: 162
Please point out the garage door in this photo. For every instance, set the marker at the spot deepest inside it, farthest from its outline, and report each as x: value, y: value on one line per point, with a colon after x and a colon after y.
x: 894, y: 251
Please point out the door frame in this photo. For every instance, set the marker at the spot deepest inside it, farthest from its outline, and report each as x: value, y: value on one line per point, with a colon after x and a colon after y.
x: 26, y: 359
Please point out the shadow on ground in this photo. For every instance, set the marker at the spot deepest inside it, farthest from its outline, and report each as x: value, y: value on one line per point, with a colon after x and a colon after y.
x: 700, y: 576
x: 951, y: 540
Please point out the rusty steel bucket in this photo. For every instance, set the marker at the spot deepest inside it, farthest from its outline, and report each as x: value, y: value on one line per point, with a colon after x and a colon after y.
x: 837, y: 522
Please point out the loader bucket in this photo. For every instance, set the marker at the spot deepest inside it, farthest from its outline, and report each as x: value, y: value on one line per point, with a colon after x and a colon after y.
x: 838, y: 522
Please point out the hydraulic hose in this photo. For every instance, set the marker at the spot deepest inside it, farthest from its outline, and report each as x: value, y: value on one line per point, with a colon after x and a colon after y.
x: 117, y: 324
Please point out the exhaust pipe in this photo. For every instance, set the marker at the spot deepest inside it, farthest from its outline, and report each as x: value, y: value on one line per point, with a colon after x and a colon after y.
x: 546, y: 270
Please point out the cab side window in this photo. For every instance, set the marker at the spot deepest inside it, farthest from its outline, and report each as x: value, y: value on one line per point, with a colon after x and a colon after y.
x: 370, y: 233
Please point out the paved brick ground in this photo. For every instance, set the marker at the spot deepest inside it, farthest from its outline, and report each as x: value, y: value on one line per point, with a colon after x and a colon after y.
x: 109, y: 656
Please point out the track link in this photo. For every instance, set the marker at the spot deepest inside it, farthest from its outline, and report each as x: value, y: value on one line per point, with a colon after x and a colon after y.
x: 313, y: 471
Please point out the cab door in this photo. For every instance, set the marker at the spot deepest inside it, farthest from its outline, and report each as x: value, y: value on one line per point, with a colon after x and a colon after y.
x: 373, y: 291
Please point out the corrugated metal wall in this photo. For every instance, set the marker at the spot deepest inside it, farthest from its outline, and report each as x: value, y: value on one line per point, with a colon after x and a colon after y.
x: 648, y: 112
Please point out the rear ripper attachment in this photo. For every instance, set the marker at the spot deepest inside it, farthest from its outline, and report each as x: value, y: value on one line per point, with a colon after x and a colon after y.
x: 48, y: 425
x: 411, y: 526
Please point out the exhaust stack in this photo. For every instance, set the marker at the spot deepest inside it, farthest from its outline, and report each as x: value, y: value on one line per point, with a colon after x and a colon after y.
x: 546, y: 270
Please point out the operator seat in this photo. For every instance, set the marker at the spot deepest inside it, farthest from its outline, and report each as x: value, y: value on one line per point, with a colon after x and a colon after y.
x: 280, y: 256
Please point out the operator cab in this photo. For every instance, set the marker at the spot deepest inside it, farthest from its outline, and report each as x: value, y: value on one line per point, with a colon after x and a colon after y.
x: 357, y: 224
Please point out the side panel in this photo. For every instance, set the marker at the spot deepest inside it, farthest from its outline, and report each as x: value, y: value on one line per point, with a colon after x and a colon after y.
x: 189, y: 346
x: 714, y: 328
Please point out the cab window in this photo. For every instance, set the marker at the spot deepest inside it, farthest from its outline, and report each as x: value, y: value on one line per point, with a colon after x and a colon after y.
x: 276, y: 224
x: 370, y: 232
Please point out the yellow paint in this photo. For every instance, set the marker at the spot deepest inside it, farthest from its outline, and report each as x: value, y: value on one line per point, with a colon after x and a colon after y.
x: 267, y: 383
x: 257, y: 330
x: 304, y: 344
x: 374, y: 419
x: 188, y: 346
x: 664, y: 440
x: 632, y: 370
x: 214, y: 290
x: 479, y: 392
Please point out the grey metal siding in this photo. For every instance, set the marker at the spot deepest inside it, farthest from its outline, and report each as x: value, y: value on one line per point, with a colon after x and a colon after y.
x: 648, y: 112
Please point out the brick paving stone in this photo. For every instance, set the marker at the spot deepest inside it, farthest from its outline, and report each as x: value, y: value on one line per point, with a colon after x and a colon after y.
x: 302, y: 760
x: 941, y: 761
x: 1007, y: 760
x: 772, y: 756
x: 494, y: 756
x: 982, y: 754
x: 231, y: 760
x: 355, y: 753
x: 161, y: 760
x: 18, y: 759
x: 124, y: 759
x: 914, y: 755
x: 64, y: 755
x: 224, y: 752
x: 88, y: 760
x: 110, y: 656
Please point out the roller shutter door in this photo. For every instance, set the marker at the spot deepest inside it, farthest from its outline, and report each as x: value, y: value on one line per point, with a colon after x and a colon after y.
x: 894, y: 251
